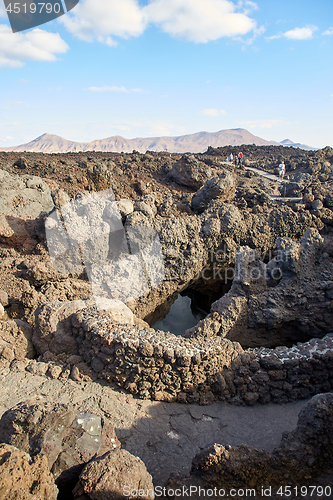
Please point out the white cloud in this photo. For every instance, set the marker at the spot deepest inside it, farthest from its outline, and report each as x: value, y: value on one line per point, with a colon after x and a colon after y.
x: 305, y: 33
x: 301, y: 33
x: 213, y: 112
x: 36, y: 45
x: 328, y: 32
x: 199, y: 21
x: 101, y: 19
x: 114, y: 88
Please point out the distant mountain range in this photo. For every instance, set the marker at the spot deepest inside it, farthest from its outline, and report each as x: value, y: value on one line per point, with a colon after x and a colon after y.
x: 194, y: 143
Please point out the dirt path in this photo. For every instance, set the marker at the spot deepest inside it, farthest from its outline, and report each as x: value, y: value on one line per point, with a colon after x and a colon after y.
x: 166, y: 436
x: 276, y: 179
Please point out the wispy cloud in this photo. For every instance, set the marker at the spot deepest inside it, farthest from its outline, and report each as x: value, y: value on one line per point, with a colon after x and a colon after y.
x: 10, y: 105
x: 305, y: 33
x: 256, y: 33
x: 328, y: 32
x: 114, y: 88
x: 6, y: 138
x: 35, y: 45
x: 213, y: 112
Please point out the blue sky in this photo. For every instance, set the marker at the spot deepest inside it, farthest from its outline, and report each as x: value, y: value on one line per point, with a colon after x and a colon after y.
x: 171, y: 67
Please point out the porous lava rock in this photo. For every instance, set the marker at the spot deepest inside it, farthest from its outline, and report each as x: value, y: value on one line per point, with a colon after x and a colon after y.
x: 113, y: 476
x: 278, y: 303
x: 15, y: 340
x: 24, y: 479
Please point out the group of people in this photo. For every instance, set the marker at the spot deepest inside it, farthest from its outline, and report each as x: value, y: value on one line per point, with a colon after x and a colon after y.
x: 238, y: 158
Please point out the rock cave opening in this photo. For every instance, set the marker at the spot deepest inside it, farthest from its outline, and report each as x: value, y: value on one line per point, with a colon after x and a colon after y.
x: 184, y: 310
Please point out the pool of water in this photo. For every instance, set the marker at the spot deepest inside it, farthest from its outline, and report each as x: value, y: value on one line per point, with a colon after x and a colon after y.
x: 182, y: 315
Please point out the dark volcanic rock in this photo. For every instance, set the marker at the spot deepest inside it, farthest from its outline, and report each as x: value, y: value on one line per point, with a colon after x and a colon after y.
x: 190, y: 172
x: 297, y: 186
x: 222, y: 187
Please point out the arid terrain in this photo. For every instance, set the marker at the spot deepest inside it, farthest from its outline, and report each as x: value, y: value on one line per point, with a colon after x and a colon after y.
x: 84, y: 392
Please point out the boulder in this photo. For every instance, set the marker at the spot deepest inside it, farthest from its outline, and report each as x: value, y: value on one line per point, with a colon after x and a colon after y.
x: 143, y: 207
x: 23, y: 199
x: 3, y: 298
x: 222, y: 187
x: 17, y: 232
x: 24, y: 196
x: 24, y: 479
x: 113, y: 476
x: 125, y: 207
x: 21, y: 163
x: 317, y: 205
x: 41, y: 273
x: 116, y: 310
x: 60, y: 198
x: 308, y: 198
x: 296, y: 187
x: 188, y: 171
x: 55, y: 320
x: 68, y: 439
x: 15, y: 340
x: 53, y: 330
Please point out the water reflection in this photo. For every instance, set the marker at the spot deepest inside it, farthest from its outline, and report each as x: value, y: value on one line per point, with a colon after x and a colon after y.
x: 183, y: 315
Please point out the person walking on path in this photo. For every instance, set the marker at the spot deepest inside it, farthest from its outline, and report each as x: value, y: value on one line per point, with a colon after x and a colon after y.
x: 240, y: 159
x: 282, y: 170
x: 231, y: 157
